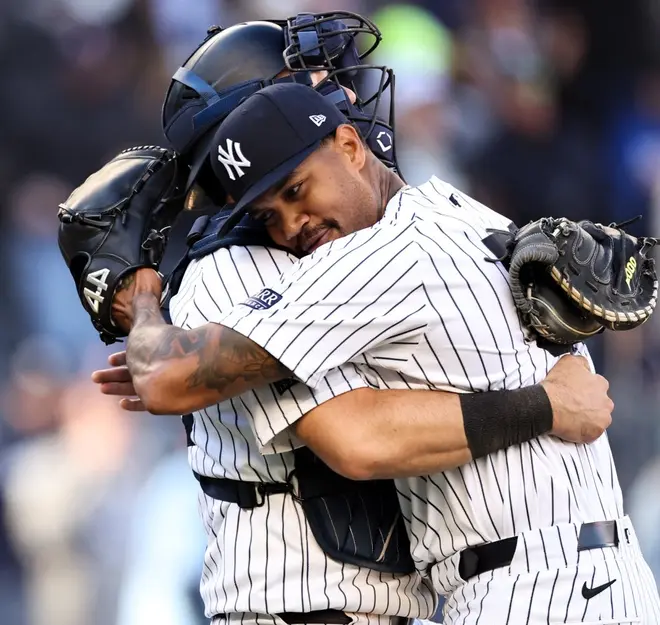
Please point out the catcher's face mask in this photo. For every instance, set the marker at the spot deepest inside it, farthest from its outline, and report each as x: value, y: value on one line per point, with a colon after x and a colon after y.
x: 338, y: 42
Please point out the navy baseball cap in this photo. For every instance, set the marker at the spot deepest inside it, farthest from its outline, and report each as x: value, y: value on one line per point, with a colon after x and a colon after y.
x: 266, y: 137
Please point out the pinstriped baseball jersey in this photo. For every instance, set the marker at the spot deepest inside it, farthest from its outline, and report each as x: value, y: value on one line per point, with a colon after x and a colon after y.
x: 265, y: 560
x: 413, y: 301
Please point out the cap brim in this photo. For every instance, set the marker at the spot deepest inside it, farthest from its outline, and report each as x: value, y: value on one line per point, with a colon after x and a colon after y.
x: 259, y: 188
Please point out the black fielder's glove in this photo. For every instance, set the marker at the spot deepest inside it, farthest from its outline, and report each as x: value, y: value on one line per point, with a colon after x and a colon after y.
x: 573, y: 280
x: 118, y: 221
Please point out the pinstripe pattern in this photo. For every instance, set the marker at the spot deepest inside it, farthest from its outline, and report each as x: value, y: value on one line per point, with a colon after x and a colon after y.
x: 358, y: 619
x: 550, y: 592
x: 441, y: 317
x: 265, y: 560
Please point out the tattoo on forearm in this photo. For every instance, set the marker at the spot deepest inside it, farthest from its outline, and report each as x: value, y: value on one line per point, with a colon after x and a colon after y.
x: 225, y: 359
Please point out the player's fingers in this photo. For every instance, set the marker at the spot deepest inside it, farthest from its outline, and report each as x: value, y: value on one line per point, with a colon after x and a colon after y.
x: 116, y: 374
x: 123, y: 389
x: 132, y: 404
x: 117, y: 359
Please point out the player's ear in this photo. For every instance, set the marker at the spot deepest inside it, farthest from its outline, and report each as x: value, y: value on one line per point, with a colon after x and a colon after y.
x: 349, y: 142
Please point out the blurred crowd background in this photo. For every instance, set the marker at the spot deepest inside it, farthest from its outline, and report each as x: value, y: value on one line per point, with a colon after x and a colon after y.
x: 536, y: 108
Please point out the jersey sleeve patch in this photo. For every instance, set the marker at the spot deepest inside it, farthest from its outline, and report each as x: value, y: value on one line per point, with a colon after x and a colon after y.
x: 263, y: 300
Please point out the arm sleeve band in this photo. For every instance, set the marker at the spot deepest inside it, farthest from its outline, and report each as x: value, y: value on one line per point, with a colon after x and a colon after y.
x: 499, y: 419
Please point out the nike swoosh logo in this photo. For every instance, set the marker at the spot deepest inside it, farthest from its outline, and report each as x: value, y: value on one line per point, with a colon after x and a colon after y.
x: 588, y: 593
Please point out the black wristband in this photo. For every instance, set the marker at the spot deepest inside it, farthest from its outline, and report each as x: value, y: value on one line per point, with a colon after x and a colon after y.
x: 500, y: 419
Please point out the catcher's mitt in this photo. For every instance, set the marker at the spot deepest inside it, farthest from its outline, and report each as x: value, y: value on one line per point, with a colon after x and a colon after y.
x: 117, y: 221
x: 572, y: 280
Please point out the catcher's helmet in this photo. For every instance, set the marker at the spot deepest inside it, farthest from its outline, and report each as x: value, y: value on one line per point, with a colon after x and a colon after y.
x: 235, y: 62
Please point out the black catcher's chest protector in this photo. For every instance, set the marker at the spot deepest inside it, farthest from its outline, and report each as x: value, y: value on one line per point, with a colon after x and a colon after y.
x: 355, y: 522
x: 358, y: 523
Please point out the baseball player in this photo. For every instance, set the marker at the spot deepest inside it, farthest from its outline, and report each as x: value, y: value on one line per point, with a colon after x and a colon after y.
x: 397, y: 284
x: 282, y: 572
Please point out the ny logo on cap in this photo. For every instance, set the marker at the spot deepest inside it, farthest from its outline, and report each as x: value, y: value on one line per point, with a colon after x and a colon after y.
x: 229, y: 159
x: 317, y: 119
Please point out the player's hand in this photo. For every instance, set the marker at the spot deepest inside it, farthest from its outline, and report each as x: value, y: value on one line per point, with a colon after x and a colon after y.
x: 581, y: 407
x: 140, y: 281
x: 117, y: 381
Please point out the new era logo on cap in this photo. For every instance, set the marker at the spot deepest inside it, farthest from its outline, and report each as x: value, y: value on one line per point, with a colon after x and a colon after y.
x: 229, y: 159
x: 317, y: 119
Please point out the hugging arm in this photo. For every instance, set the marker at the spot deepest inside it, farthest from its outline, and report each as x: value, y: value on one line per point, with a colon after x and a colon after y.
x: 176, y: 371
x: 371, y: 434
